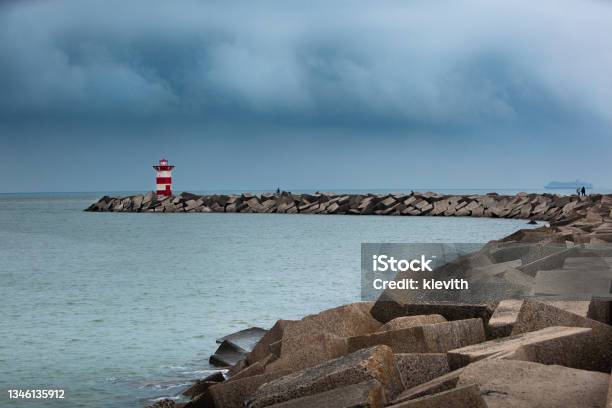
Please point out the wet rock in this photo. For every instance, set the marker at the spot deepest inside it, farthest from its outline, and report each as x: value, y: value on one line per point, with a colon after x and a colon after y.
x: 236, y: 346
x: 227, y: 355
x: 245, y: 339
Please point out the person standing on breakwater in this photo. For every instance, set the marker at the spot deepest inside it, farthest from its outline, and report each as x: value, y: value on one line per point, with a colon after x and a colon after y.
x: 583, y: 190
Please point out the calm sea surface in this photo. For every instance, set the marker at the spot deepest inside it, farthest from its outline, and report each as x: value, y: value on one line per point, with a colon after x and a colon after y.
x: 119, y: 309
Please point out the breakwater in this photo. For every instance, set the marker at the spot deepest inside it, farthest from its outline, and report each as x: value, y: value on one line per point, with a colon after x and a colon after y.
x: 401, y: 351
x: 546, y: 207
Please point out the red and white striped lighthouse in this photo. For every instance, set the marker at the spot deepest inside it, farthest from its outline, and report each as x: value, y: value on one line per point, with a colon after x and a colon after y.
x: 163, y: 178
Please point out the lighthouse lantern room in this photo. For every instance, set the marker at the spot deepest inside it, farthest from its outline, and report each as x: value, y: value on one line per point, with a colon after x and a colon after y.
x: 163, y: 178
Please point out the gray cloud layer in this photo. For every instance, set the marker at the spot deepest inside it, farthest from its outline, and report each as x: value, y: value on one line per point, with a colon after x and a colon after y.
x: 421, y: 63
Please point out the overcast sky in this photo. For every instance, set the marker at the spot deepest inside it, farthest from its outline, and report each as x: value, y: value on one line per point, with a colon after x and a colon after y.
x: 305, y: 94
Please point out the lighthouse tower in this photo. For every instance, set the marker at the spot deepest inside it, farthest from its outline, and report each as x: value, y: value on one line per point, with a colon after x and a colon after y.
x: 163, y: 178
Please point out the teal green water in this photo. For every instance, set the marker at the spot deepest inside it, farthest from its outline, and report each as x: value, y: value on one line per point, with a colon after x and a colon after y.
x: 119, y: 309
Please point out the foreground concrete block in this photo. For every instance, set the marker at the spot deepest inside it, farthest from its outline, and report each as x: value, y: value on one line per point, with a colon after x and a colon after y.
x: 233, y: 394
x: 405, y: 322
x: 256, y: 368
x: 318, y: 338
x: 596, y: 353
x: 368, y: 394
x: 418, y: 368
x: 439, y: 384
x: 431, y: 338
x: 504, y: 317
x: 349, y: 320
x: 262, y: 348
x: 307, y: 350
x: 376, y: 363
x: 467, y: 396
x: 551, y: 345
x: 391, y: 305
x: 508, y: 383
x: 506, y: 313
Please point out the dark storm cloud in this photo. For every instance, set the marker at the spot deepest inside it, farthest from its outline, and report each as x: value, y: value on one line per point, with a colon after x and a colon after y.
x: 443, y: 63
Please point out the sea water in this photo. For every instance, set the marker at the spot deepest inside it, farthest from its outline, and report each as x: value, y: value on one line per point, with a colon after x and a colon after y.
x: 118, y: 309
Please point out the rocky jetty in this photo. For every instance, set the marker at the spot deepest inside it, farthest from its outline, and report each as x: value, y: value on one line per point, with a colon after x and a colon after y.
x: 546, y: 207
x: 538, y: 351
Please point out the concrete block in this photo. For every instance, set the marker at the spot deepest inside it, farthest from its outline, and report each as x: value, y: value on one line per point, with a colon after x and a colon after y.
x: 405, y: 322
x: 439, y: 384
x: 508, y: 383
x: 555, y: 345
x: 200, y: 386
x: 431, y: 338
x: 466, y: 396
x: 369, y: 394
x: 320, y: 337
x: 307, y: 350
x: 349, y: 320
x: 418, y: 368
x: 376, y: 363
x: 393, y: 304
x: 262, y: 348
x: 597, y: 351
x: 506, y: 313
x: 227, y: 355
x: 233, y: 394
x: 244, y: 340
